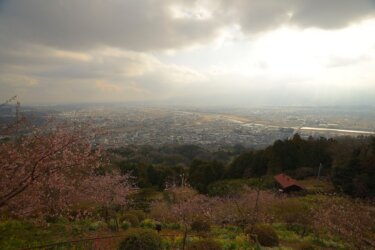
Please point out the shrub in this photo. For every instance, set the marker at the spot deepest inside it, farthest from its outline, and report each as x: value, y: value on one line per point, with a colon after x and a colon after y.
x: 168, y: 244
x: 226, y: 187
x: 207, y: 244
x: 95, y: 225
x: 76, y: 230
x: 139, y: 213
x: 265, y: 234
x: 125, y: 225
x: 148, y: 223
x: 200, y: 225
x: 143, y: 239
x: 266, y: 182
x: 130, y: 218
x: 113, y: 224
x: 174, y: 226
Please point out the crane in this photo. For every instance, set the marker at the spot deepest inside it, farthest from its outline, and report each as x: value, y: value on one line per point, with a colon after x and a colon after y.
x: 18, y: 104
x: 8, y: 101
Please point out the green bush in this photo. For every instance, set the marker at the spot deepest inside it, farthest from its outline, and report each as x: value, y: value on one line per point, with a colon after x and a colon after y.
x: 200, y: 225
x: 139, y: 213
x: 148, y: 223
x: 95, y: 225
x: 207, y: 244
x: 226, y: 187
x: 266, y: 182
x: 174, y: 226
x: 133, y: 219
x: 142, y: 239
x: 264, y: 234
x: 113, y: 224
x: 76, y: 230
x: 168, y: 244
x: 125, y: 225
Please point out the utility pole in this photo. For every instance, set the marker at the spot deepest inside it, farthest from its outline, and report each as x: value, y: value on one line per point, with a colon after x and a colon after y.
x: 18, y: 111
x: 319, y: 170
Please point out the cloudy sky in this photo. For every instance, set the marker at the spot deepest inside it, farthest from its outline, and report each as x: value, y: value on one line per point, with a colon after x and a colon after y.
x: 198, y: 52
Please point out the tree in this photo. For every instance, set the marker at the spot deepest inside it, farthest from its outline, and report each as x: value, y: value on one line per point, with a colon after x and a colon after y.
x: 45, y: 169
x: 202, y: 173
x: 353, y: 221
x: 187, y: 205
x: 354, y: 167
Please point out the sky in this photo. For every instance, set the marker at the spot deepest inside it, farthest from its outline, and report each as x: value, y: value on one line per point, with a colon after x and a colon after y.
x: 188, y: 52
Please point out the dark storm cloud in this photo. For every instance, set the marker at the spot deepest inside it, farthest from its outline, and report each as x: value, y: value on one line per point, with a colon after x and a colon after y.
x: 262, y: 15
x: 71, y: 24
x: 332, y: 13
x: 149, y: 24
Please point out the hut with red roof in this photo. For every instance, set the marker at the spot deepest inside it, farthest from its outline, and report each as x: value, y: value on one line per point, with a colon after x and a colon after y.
x: 287, y: 184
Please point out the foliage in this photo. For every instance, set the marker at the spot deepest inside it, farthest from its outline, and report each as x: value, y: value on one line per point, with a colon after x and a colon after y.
x: 207, y: 244
x: 148, y: 223
x: 95, y: 225
x: 17, y: 234
x: 200, y: 224
x: 174, y: 226
x: 296, y: 214
x: 185, y: 205
x: 160, y: 210
x: 233, y: 187
x: 247, y: 207
x: 202, y: 173
x: 282, y: 156
x: 143, y: 198
x: 141, y: 239
x: 156, y: 166
x: 228, y: 187
x: 46, y: 170
x: 354, y: 167
x: 125, y: 225
x: 148, y: 175
x: 263, y: 234
x: 113, y: 224
x: 352, y: 220
x: 139, y: 213
x: 133, y: 219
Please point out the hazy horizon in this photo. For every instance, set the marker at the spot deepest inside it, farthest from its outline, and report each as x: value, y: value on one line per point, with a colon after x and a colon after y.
x: 198, y: 52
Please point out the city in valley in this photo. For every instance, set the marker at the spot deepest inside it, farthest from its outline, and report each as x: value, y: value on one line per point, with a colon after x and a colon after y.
x: 212, y: 127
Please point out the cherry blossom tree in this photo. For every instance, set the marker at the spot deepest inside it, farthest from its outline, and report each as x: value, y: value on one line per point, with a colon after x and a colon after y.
x: 352, y: 220
x: 247, y: 208
x: 186, y: 206
x: 50, y: 167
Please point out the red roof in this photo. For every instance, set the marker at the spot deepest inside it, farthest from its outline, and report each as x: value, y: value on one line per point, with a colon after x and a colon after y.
x: 286, y: 181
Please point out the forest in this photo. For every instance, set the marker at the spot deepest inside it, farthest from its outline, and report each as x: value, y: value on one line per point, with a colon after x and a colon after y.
x: 349, y: 163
